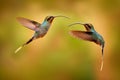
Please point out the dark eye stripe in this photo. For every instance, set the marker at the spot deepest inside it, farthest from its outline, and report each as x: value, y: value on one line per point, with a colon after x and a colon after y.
x: 48, y: 18
x: 88, y: 26
x: 51, y: 17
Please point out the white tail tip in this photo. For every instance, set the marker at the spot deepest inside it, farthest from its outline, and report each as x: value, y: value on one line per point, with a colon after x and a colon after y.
x: 18, y: 49
x: 102, y: 62
x: 101, y: 66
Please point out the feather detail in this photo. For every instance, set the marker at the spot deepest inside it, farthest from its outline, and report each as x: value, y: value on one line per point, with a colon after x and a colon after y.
x: 102, y: 60
x: 33, y: 25
x: 82, y: 35
x: 18, y: 49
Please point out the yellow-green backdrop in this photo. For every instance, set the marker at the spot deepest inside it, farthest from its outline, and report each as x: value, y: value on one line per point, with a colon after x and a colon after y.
x: 58, y: 55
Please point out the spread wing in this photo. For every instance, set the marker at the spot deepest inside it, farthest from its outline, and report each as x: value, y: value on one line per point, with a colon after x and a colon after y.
x: 33, y: 25
x: 83, y: 35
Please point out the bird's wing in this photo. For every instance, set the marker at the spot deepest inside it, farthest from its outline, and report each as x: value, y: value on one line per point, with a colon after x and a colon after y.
x: 83, y: 35
x: 33, y: 25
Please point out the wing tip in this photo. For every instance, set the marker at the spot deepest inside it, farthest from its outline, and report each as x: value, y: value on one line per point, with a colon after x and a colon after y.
x: 72, y: 34
x: 20, y: 18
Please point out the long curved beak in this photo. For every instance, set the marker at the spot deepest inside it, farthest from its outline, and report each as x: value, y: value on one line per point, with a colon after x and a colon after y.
x: 61, y: 16
x: 75, y: 24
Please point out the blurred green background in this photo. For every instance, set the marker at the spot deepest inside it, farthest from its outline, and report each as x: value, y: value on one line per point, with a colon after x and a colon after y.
x: 59, y: 56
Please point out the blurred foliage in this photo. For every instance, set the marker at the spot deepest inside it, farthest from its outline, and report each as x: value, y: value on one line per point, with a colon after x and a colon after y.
x: 59, y: 56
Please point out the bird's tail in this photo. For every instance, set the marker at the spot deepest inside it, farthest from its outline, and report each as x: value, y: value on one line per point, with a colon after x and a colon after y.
x: 102, y: 61
x: 18, y: 49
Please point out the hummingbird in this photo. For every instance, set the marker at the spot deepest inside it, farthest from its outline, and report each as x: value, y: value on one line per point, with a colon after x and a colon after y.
x: 39, y: 29
x: 89, y: 35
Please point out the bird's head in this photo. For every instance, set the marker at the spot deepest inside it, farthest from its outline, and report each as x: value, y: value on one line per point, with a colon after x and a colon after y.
x: 50, y: 18
x: 88, y: 26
